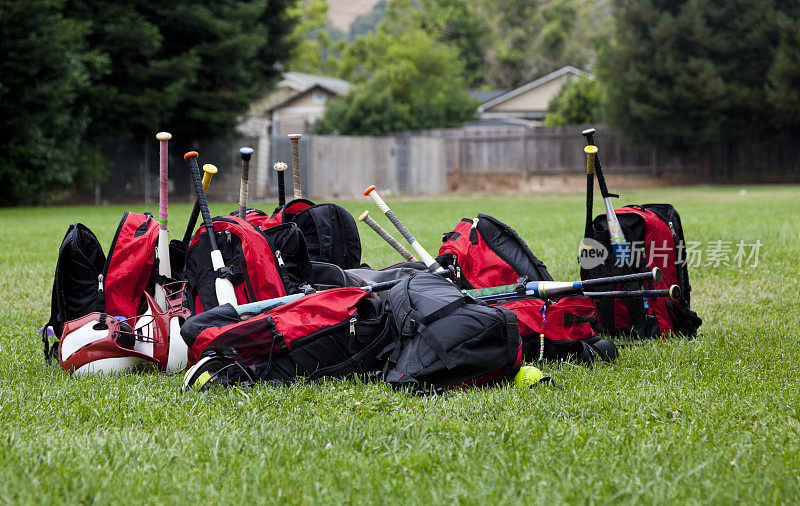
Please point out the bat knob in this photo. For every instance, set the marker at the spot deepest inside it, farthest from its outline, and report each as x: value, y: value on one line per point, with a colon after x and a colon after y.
x: 675, y: 292
x: 363, y: 216
x: 163, y: 136
x: 210, y: 169
x: 294, y: 137
x: 246, y: 153
x: 590, y: 150
x: 279, y: 166
x: 369, y: 190
x: 656, y: 275
x: 588, y: 132
x: 190, y: 154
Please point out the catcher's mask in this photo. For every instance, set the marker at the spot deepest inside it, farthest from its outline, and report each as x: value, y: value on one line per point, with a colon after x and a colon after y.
x: 100, y: 343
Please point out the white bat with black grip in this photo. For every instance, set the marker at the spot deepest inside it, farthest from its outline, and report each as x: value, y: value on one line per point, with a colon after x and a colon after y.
x: 223, y: 286
x: 432, y: 264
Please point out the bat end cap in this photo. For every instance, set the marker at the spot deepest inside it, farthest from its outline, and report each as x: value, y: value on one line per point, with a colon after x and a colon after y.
x: 294, y: 136
x: 163, y: 136
x: 675, y: 293
x: 211, y: 169
x: 246, y: 152
x: 369, y: 190
x: 190, y: 154
x: 589, y: 131
x: 363, y: 216
x: 279, y: 166
x: 656, y: 275
x: 590, y: 150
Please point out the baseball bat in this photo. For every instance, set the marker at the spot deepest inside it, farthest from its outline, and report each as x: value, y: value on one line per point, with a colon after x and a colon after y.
x: 541, y: 289
x: 245, y: 153
x: 619, y: 246
x: 280, y: 168
x: 590, y: 162
x: 295, y: 139
x: 673, y: 292
x: 386, y: 236
x: 598, y: 169
x: 223, y: 286
x: 432, y: 264
x: 544, y: 289
x: 208, y: 172
x: 164, y: 267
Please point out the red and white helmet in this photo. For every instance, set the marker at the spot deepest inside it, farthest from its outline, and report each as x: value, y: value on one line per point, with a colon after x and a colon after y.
x: 100, y: 343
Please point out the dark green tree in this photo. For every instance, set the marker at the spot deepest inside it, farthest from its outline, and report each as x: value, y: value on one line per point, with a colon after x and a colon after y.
x: 45, y: 66
x: 783, y: 90
x: 191, y: 66
x: 577, y: 103
x: 685, y: 74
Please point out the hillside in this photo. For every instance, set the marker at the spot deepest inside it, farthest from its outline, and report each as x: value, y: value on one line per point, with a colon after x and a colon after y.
x: 342, y: 13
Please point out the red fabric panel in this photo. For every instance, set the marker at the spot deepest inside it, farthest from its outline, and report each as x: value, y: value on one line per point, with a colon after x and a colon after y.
x: 130, y: 265
x: 531, y: 324
x: 316, y: 312
x: 261, y: 268
x: 480, y: 265
x: 256, y: 332
x: 659, y: 252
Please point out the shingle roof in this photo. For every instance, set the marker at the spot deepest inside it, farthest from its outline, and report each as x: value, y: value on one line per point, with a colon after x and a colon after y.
x: 301, y: 82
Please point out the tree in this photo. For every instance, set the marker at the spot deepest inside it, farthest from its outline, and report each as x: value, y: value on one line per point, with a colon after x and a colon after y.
x: 577, y: 103
x: 405, y: 81
x: 689, y: 73
x: 313, y: 40
x: 530, y: 38
x: 44, y: 68
x: 784, y: 74
x: 192, y: 66
x: 455, y: 23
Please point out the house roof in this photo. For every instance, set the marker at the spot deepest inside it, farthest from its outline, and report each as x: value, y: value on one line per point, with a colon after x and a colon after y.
x: 301, y: 83
x: 499, y: 99
x: 486, y: 95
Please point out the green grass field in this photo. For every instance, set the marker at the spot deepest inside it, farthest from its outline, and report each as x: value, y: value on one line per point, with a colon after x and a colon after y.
x: 715, y: 419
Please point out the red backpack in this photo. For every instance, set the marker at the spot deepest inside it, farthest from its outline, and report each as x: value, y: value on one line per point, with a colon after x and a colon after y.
x: 333, y: 333
x: 486, y: 252
x: 560, y: 330
x: 656, y: 235
x: 260, y: 265
x: 86, y: 281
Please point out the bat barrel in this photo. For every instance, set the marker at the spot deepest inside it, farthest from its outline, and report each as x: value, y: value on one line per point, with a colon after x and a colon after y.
x: 653, y: 275
x: 386, y: 236
x: 432, y: 264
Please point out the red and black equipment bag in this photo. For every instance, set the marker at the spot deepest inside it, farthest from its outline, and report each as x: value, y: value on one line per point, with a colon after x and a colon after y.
x: 86, y: 281
x: 330, y: 231
x: 445, y: 339
x: 560, y: 330
x: 333, y: 333
x: 486, y: 252
x: 655, y: 236
x: 260, y: 264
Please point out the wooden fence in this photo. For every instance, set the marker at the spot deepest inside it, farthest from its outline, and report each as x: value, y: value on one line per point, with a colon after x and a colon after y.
x: 435, y: 161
